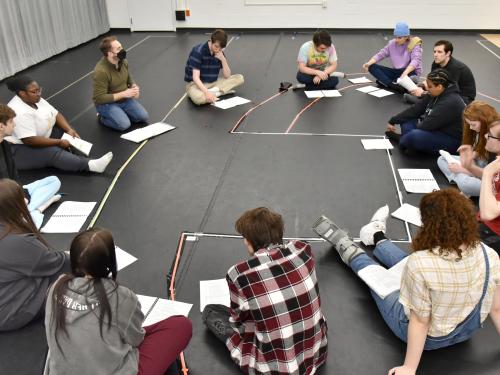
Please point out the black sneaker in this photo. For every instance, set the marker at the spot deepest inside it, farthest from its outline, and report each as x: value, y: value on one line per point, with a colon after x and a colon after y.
x: 380, y: 84
x: 397, y: 88
x: 395, y: 137
x: 410, y: 99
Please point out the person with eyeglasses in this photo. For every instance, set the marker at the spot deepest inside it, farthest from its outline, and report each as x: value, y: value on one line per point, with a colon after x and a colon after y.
x: 405, y: 53
x: 39, y: 194
x: 489, y: 196
x: 115, y: 93
x: 36, y: 140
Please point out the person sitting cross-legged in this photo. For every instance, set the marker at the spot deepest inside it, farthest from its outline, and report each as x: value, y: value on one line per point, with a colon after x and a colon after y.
x: 275, y: 324
x: 203, y: 66
x: 317, y: 60
x: 435, y: 122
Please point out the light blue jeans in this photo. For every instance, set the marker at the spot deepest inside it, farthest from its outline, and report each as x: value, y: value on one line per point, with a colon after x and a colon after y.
x: 393, y: 312
x: 469, y: 185
x: 120, y: 115
x: 40, y: 192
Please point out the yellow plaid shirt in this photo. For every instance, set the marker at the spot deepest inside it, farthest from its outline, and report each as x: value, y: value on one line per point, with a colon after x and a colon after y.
x: 448, y: 288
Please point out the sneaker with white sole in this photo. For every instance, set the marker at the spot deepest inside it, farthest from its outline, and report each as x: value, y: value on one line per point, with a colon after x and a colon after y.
x: 376, y: 224
x: 298, y: 86
x: 339, y: 238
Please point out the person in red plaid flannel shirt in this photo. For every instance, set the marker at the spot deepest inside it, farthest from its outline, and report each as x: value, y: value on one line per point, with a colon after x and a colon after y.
x: 275, y: 324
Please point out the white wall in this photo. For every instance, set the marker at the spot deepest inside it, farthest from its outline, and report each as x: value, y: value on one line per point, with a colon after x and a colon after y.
x: 350, y: 14
x: 118, y: 14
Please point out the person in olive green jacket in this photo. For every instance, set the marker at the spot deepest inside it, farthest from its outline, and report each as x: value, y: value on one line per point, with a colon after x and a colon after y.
x: 115, y: 93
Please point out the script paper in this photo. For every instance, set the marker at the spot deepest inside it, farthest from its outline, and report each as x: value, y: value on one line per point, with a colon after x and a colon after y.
x: 331, y: 93
x: 408, y: 213
x: 418, y: 180
x: 359, y: 80
x: 146, y: 303
x: 156, y: 309
x: 323, y: 94
x: 377, y: 144
x: 78, y: 143
x: 407, y: 83
x: 139, y: 135
x: 366, y: 89
x: 381, y: 280
x: 123, y: 259
x: 230, y: 103
x: 69, y: 217
x: 164, y: 308
x: 214, y: 291
x: 380, y: 93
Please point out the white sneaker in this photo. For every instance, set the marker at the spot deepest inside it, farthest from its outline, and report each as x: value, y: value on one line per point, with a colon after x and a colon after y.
x: 220, y: 93
x: 376, y: 224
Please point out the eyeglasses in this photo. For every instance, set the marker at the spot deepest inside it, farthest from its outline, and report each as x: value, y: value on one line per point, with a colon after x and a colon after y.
x: 489, y: 135
x: 35, y: 91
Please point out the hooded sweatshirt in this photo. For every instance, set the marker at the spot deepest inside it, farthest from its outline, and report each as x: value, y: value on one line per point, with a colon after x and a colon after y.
x: 83, y: 350
x: 27, y: 267
x: 442, y: 113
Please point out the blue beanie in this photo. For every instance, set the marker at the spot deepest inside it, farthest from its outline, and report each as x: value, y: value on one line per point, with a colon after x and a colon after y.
x: 401, y: 29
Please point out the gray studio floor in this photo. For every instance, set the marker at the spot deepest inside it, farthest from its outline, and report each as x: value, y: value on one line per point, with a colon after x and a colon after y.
x: 200, y: 177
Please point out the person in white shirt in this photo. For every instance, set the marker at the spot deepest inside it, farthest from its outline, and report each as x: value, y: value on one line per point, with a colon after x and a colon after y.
x: 36, y: 142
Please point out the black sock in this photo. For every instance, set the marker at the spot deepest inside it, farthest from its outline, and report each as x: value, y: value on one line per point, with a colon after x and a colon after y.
x: 378, y: 236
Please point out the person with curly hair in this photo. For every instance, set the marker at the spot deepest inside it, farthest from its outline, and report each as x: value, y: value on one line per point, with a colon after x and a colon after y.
x: 449, y: 284
x: 466, y: 169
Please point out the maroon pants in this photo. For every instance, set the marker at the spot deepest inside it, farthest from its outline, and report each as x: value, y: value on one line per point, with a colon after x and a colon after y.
x: 162, y: 344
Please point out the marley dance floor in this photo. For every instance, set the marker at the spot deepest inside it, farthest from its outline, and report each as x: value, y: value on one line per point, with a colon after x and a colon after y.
x: 200, y: 177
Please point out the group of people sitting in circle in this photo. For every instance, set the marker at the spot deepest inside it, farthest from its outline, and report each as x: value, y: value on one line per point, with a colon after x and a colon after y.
x: 274, y: 324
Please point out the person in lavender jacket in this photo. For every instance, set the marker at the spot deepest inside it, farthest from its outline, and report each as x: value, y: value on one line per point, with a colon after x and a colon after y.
x: 405, y: 53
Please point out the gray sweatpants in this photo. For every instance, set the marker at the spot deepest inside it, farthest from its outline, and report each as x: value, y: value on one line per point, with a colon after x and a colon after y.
x: 27, y: 157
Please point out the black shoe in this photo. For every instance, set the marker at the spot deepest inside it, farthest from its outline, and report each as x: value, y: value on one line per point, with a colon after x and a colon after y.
x: 410, y: 99
x: 395, y: 137
x: 380, y: 84
x: 284, y: 86
x: 397, y: 88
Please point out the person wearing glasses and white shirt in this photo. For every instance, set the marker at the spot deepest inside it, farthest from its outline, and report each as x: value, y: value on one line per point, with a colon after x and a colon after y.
x: 489, y: 196
x: 36, y: 141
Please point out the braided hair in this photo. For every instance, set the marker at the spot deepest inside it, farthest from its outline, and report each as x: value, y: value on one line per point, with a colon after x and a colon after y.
x: 440, y: 77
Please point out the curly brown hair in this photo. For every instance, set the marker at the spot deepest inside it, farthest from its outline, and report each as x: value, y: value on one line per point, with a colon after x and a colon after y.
x: 486, y: 115
x: 448, y: 221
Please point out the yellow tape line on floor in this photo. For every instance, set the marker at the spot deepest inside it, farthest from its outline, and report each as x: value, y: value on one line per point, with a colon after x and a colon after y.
x: 122, y: 168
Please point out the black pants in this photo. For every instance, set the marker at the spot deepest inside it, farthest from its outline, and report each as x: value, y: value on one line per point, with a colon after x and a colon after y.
x: 216, y: 318
x: 489, y: 237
